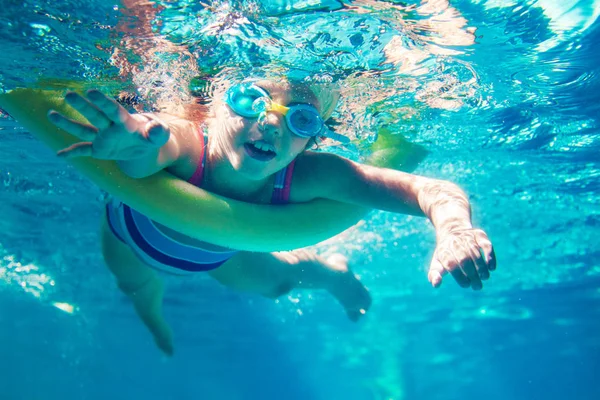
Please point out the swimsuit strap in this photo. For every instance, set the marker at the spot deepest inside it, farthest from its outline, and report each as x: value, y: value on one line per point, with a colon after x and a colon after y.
x: 198, y: 176
x: 283, y: 185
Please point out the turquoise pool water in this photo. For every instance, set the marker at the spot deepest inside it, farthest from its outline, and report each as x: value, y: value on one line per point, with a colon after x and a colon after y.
x: 503, y: 94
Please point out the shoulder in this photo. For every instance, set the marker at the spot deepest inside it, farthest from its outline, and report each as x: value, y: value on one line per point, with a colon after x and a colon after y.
x: 317, y: 174
x: 311, y: 161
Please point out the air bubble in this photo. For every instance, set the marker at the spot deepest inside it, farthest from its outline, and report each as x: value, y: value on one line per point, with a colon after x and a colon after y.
x: 40, y: 29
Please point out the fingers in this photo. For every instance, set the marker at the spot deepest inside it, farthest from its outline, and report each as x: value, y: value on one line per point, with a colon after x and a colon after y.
x: 460, y: 277
x: 484, y: 259
x: 157, y: 133
x: 469, y: 270
x: 82, y: 131
x: 110, y: 107
x: 445, y: 261
x: 81, y: 149
x: 468, y: 256
x: 481, y: 267
x: 487, y: 252
x: 436, y: 272
x: 101, y: 111
x: 92, y: 113
x: 441, y: 266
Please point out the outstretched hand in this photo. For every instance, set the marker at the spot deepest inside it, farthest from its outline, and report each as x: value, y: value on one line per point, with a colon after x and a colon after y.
x: 112, y: 132
x: 466, y: 254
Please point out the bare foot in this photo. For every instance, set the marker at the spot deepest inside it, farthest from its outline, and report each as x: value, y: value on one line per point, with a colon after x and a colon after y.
x: 348, y: 290
x: 148, y: 300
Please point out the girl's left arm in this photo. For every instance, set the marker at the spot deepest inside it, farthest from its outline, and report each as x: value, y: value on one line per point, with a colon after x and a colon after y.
x: 464, y: 252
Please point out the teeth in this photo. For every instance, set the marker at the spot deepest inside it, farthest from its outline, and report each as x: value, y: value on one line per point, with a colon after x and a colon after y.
x: 264, y: 146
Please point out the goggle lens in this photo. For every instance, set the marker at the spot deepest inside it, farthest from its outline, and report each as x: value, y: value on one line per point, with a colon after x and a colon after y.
x: 306, y: 122
x: 243, y: 100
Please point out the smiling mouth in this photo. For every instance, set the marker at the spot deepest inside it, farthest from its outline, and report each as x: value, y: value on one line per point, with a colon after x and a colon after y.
x: 260, y: 151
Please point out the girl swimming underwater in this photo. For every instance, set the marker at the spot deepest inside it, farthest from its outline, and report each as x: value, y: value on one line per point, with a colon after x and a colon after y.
x: 255, y: 146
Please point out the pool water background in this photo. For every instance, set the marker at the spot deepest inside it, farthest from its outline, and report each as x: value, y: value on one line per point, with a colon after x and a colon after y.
x: 512, y: 118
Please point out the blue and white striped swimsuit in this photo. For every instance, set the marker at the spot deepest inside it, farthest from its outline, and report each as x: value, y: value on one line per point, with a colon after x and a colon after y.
x: 164, y: 252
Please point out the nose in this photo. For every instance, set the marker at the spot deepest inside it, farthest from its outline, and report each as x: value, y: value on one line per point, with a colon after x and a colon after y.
x: 269, y: 123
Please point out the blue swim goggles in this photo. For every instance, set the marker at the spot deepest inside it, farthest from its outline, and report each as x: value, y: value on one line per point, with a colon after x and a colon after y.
x: 251, y: 101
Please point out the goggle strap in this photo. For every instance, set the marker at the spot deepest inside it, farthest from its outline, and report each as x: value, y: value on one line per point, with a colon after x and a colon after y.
x: 335, y: 136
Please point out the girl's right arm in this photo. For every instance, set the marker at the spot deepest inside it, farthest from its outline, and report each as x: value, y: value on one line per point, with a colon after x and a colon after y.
x: 142, y: 144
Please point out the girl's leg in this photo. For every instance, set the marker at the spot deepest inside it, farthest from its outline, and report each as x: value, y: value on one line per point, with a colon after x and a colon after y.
x: 275, y: 274
x: 141, y: 283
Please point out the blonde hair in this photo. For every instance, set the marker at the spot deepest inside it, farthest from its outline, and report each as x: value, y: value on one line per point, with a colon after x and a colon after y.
x: 328, y: 95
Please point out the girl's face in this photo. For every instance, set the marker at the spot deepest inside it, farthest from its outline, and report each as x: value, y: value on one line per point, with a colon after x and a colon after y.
x: 259, y: 147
